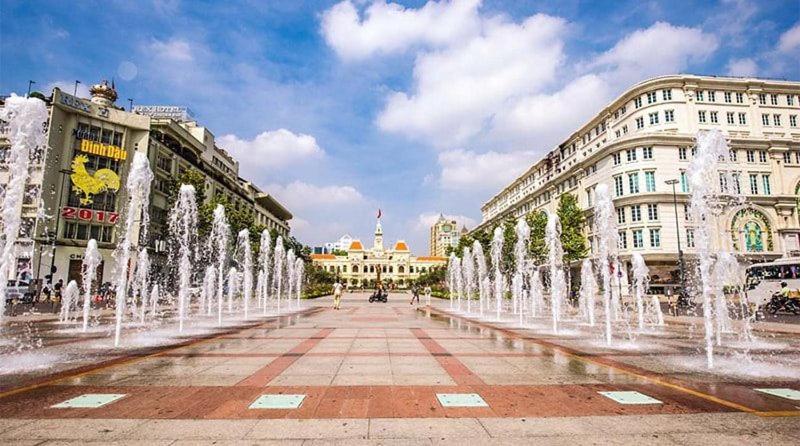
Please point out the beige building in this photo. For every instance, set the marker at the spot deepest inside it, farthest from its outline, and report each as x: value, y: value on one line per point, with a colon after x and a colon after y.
x: 363, y: 267
x: 646, y: 137
x: 444, y: 234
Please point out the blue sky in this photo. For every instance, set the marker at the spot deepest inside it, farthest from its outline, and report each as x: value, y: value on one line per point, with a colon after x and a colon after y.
x: 339, y: 108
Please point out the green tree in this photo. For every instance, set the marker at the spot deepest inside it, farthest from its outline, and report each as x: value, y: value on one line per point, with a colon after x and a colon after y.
x: 573, y: 221
x: 537, y: 220
x: 509, y: 240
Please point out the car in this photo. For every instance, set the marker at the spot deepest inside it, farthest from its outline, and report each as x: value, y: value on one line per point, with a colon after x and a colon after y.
x: 18, y: 290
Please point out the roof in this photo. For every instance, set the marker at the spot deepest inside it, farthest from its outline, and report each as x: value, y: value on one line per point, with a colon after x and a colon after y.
x: 432, y: 259
x: 400, y: 246
x: 323, y: 257
x: 273, y: 206
x: 356, y: 245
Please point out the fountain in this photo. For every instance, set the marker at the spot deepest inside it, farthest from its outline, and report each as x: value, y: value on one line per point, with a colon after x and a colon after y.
x: 136, y: 222
x: 299, y: 272
x: 468, y: 272
x: 605, y: 231
x: 218, y: 248
x: 263, y: 269
x: 482, y: 272
x: 555, y: 255
x: 452, y: 274
x: 71, y: 295
x: 499, y: 281
x: 141, y: 283
x: 91, y: 261
x: 588, y: 291
x: 183, y: 230
x: 244, y: 257
x: 290, y: 279
x: 523, y: 232
x: 641, y: 280
x: 26, y: 118
x: 536, y: 293
x: 277, y: 269
x: 209, y: 288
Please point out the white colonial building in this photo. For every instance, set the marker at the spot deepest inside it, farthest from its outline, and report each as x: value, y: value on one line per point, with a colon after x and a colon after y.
x: 364, y: 267
x: 646, y: 137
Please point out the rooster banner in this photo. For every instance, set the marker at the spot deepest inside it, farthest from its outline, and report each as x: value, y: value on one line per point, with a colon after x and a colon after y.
x: 88, y: 185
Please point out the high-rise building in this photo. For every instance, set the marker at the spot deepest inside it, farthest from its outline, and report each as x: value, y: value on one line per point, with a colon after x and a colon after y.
x: 646, y: 137
x: 444, y: 234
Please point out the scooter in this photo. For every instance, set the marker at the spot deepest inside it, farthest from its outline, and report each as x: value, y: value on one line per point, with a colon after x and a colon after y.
x: 780, y: 303
x: 378, y: 296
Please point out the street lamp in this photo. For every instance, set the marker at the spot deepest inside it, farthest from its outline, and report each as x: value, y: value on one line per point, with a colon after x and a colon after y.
x: 682, y: 298
x: 30, y: 84
x: 75, y: 90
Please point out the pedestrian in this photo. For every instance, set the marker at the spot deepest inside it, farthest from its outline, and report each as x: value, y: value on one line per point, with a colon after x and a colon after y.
x: 57, y: 293
x: 428, y: 293
x: 337, y: 295
x: 414, y: 294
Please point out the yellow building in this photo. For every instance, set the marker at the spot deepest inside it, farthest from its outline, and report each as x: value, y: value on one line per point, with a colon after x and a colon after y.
x: 363, y: 267
x: 444, y: 234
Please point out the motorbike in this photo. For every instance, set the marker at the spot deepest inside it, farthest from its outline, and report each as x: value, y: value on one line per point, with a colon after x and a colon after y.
x: 780, y: 303
x: 379, y: 296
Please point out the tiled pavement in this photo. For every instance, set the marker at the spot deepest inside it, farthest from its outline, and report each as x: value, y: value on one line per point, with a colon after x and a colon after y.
x: 370, y: 373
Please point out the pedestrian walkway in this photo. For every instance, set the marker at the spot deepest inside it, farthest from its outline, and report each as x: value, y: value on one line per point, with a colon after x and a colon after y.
x: 390, y: 372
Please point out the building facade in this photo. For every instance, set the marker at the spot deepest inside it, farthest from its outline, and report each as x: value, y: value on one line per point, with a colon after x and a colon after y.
x: 444, y: 234
x: 81, y: 178
x: 364, y: 267
x: 646, y: 137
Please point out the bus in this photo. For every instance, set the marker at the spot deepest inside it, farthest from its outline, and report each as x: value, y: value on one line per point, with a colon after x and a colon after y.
x: 764, y: 279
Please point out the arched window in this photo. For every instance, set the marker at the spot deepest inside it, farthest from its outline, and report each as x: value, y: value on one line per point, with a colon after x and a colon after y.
x: 391, y: 269
x: 411, y: 269
x: 355, y: 268
x: 751, y: 231
x: 753, y: 237
x: 344, y: 268
x: 371, y: 268
x: 401, y: 269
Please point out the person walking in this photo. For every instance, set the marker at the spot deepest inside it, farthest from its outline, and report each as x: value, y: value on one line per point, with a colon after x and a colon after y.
x: 428, y: 293
x: 57, y: 293
x: 414, y: 294
x: 337, y: 295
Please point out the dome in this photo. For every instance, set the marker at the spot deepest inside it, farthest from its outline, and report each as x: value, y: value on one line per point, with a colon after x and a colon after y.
x: 103, y: 94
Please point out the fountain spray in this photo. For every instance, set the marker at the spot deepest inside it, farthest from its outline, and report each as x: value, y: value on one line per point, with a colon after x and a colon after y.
x: 183, y: 229
x: 91, y: 261
x: 607, y: 244
x: 499, y: 280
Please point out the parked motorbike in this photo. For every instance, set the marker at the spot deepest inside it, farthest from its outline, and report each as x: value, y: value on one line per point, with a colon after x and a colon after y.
x: 779, y: 303
x: 379, y: 296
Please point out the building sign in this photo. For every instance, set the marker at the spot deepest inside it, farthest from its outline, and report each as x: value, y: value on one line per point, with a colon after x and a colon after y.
x: 73, y: 102
x: 175, y: 112
x: 71, y: 213
x: 100, y: 149
x: 91, y: 184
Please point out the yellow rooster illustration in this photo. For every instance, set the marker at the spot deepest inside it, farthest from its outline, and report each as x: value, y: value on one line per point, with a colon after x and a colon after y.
x: 89, y: 185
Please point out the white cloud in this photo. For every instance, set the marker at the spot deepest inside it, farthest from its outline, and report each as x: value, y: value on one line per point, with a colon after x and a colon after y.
x: 660, y: 49
x: 790, y: 40
x: 464, y: 170
x: 742, y: 67
x: 304, y: 196
x: 270, y: 150
x: 425, y: 220
x: 458, y: 89
x: 175, y: 49
x: 67, y: 87
x: 389, y: 27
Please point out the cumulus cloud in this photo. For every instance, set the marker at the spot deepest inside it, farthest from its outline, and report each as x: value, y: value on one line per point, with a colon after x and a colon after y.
x: 389, y: 27
x: 742, y: 67
x: 790, y: 40
x: 67, y: 87
x: 303, y: 196
x: 175, y: 49
x: 271, y: 150
x: 468, y: 170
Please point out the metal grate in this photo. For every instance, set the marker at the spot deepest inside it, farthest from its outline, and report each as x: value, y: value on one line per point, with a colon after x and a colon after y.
x: 89, y: 400
x: 461, y: 400
x: 278, y: 402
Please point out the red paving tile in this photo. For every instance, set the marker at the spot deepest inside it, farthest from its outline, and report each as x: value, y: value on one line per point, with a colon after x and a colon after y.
x: 263, y: 376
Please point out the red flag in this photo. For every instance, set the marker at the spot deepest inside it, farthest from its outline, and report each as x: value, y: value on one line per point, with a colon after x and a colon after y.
x: 379, y: 213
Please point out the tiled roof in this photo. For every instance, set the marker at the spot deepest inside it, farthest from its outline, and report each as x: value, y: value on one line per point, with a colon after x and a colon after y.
x: 432, y: 259
x: 400, y: 246
x: 323, y: 257
x: 356, y: 245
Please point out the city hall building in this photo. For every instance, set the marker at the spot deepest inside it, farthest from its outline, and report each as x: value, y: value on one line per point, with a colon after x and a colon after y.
x: 645, y: 138
x: 364, y: 267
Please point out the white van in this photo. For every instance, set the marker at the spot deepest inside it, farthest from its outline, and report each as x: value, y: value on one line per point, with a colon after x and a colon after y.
x: 764, y: 279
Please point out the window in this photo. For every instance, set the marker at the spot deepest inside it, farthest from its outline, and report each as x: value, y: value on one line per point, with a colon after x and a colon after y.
x: 623, y: 239
x: 617, y: 158
x: 731, y: 118
x: 589, y: 195
x: 774, y: 99
x: 653, y: 118
x: 700, y: 96
x: 737, y: 184
x: 776, y: 120
x: 666, y: 95
x: 637, y: 238
x: 751, y: 156
x: 712, y: 96
x: 701, y: 116
x: 625, y: 129
x: 690, y: 238
x: 633, y: 182
x: 687, y: 216
x: 727, y: 96
x: 636, y: 213
x: 742, y: 118
x: 732, y: 155
x: 740, y: 98
x: 652, y: 212
x: 762, y: 156
x: 765, y: 119
x: 651, y: 97
x: 669, y: 115
x: 714, y: 118
x: 647, y: 153
x: 618, y: 185
x: 789, y: 99
x: 655, y: 238
x: 754, y: 184
x: 637, y: 102
x: 792, y: 120
x: 765, y: 184
x: 762, y: 99
x: 787, y: 158
x: 682, y: 153
x: 684, y: 182
x: 631, y: 155
x: 640, y: 122
x: 650, y: 181
x: 620, y: 215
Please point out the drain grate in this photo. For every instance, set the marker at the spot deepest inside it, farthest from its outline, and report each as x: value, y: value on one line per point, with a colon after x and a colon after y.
x: 789, y: 394
x: 278, y: 402
x: 89, y: 400
x: 461, y: 400
x: 630, y: 397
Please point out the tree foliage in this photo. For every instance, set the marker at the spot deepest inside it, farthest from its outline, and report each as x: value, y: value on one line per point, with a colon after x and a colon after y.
x: 573, y: 221
x: 537, y: 249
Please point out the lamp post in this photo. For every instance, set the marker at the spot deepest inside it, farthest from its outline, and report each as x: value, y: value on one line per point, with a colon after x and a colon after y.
x: 130, y: 103
x: 30, y: 84
x: 682, y: 298
x: 75, y: 90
